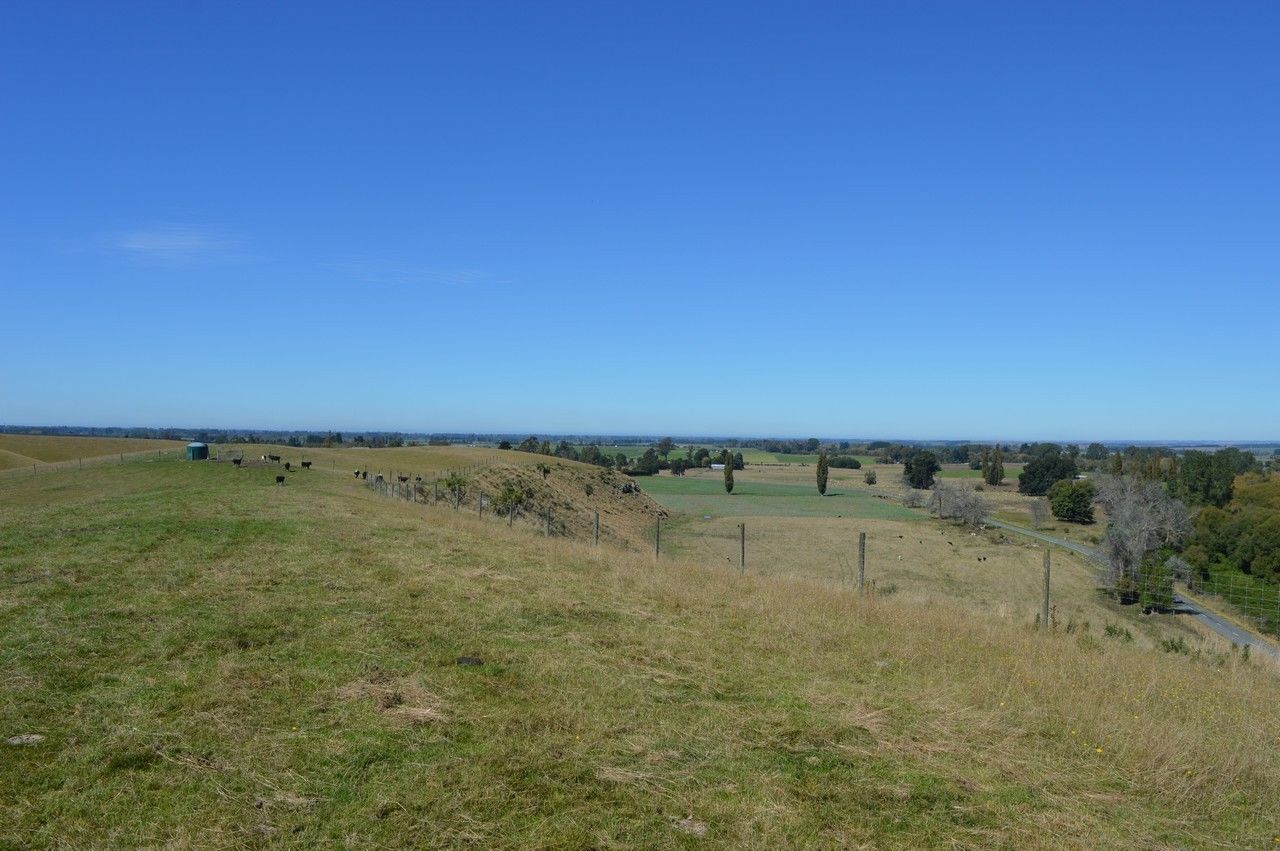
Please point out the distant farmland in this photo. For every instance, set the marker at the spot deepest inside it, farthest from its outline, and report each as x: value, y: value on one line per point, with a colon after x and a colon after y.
x: 704, y: 494
x: 23, y: 450
x: 750, y: 455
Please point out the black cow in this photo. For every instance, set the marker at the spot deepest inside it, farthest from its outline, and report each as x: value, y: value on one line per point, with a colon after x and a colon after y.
x: 306, y: 465
x: 235, y: 462
x: 357, y: 474
x: 279, y: 480
x: 403, y: 479
x: 286, y: 465
x: 365, y: 475
x: 275, y: 459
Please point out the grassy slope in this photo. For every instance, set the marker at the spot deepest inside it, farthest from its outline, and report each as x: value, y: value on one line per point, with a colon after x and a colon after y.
x: 416, y: 460
x: 216, y: 660
x: 626, y: 519
x: 10, y: 460
x: 20, y: 450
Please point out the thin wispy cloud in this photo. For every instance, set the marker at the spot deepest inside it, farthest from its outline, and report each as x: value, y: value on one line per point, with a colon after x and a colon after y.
x: 173, y: 243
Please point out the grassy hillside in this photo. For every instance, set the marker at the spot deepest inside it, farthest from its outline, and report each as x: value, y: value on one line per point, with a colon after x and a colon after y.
x: 22, y: 450
x: 417, y: 460
x: 574, y: 493
x: 214, y: 660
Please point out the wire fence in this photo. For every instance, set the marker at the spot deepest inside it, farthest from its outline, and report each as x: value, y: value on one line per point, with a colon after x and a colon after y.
x: 39, y: 468
x: 739, y: 545
x: 1256, y: 602
x: 458, y: 488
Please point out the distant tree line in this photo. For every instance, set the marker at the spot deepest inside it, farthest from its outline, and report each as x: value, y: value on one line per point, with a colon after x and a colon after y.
x: 649, y: 462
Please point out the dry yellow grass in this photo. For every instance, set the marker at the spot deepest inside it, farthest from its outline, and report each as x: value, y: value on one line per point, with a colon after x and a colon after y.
x: 574, y: 493
x: 22, y: 450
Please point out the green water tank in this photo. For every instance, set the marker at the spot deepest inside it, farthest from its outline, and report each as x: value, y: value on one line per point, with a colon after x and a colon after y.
x: 197, y: 452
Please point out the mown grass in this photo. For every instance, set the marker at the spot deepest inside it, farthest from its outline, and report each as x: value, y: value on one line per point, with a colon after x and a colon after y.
x: 216, y: 661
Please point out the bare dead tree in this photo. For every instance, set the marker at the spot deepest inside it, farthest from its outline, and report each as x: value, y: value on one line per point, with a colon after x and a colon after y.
x: 960, y: 503
x: 1039, y: 512
x: 973, y: 509
x: 1142, y: 516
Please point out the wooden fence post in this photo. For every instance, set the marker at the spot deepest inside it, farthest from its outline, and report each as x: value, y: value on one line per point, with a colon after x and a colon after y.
x: 597, y: 528
x: 1044, y: 604
x: 862, y: 561
x: 742, y: 545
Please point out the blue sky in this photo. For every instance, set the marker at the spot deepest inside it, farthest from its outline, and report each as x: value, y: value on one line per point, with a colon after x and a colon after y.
x: 1021, y: 220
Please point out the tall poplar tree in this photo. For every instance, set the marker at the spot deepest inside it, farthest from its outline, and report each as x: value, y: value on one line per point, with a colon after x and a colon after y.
x: 993, y: 467
x: 822, y: 473
x: 728, y: 471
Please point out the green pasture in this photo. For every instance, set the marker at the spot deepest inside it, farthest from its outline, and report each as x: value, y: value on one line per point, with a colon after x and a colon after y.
x: 704, y: 496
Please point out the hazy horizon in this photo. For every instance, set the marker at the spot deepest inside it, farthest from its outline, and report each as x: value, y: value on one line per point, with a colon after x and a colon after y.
x: 687, y: 437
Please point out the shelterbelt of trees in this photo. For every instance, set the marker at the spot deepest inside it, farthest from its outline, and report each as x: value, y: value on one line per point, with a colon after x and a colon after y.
x: 647, y: 463
x: 665, y: 454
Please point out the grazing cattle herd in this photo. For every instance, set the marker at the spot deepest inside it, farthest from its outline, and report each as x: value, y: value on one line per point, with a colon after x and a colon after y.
x: 276, y: 459
x: 290, y: 467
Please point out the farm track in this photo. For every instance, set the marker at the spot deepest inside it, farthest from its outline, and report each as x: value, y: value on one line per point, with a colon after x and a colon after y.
x: 1235, y: 633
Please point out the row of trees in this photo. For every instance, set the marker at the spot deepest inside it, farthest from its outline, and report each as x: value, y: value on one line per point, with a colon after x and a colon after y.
x: 648, y: 463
